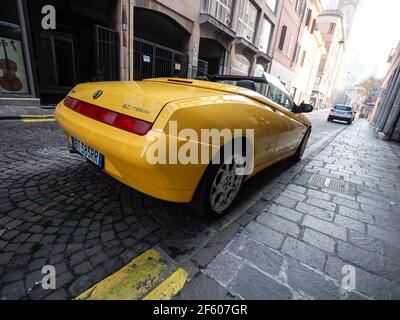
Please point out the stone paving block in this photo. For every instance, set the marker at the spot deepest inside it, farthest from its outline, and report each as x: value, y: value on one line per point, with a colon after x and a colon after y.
x: 296, y: 188
x: 346, y: 202
x: 279, y: 224
x: 286, y: 202
x: 369, y: 261
x: 304, y: 252
x: 218, y: 269
x: 367, y: 243
x: 202, y: 287
x: 257, y: 254
x: 264, y: 235
x: 367, y: 283
x: 391, y: 225
x: 251, y: 284
x: 325, y: 227
x: 319, y: 240
x: 293, y: 195
x: 357, y: 215
x: 391, y: 238
x: 327, y: 205
x: 319, y: 194
x: 315, y: 211
x: 375, y: 203
x: 309, y: 283
x: 350, y: 223
x: 286, y: 213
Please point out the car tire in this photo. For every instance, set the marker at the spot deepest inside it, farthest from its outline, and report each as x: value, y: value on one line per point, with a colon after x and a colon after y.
x: 203, y: 202
x: 349, y: 122
x: 298, y: 156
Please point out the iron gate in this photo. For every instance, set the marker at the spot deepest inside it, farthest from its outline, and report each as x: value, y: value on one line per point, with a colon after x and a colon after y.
x: 202, y: 68
x: 107, y: 53
x: 153, y: 60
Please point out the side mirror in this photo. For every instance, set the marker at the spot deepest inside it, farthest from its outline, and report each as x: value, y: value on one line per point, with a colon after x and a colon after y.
x: 305, y: 108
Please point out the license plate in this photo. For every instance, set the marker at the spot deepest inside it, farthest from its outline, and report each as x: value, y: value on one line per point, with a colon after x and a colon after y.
x: 89, y: 153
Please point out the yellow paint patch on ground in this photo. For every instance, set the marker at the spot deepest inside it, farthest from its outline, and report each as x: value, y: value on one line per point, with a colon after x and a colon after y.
x: 35, y: 118
x: 132, y: 282
x: 38, y: 120
x: 170, y: 287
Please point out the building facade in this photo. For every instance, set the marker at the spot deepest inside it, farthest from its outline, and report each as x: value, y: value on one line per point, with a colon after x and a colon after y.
x: 332, y: 29
x: 97, y: 40
x: 386, y: 114
x: 292, y: 14
x: 308, y: 58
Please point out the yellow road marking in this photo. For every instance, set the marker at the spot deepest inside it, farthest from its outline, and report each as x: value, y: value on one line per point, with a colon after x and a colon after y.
x: 131, y: 282
x: 170, y: 287
x: 27, y: 116
x: 38, y: 120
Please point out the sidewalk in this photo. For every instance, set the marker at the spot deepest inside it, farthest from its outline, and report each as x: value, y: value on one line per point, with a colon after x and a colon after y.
x: 340, y: 216
x: 25, y: 112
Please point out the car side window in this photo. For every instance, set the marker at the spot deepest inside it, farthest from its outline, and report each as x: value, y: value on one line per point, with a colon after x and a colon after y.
x: 288, y: 104
x: 277, y: 96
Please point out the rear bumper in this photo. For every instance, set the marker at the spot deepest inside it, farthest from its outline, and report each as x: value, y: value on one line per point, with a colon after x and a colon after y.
x: 125, y: 158
x: 340, y: 118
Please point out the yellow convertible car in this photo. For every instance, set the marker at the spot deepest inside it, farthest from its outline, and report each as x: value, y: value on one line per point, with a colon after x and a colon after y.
x: 165, y: 136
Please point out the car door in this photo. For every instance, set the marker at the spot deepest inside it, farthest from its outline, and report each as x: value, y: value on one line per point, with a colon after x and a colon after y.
x: 290, y: 130
x: 267, y: 128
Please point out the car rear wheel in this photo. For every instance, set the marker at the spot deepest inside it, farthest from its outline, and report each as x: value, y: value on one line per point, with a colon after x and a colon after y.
x: 219, y: 187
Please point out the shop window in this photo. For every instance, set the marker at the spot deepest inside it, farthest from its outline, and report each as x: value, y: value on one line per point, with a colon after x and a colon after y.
x: 13, y: 79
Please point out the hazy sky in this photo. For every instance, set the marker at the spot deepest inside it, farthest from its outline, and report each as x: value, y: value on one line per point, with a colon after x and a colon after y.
x: 376, y: 31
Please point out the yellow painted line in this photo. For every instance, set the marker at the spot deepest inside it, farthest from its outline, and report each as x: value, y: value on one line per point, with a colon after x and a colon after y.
x: 170, y: 287
x: 36, y: 116
x: 131, y: 282
x: 38, y: 120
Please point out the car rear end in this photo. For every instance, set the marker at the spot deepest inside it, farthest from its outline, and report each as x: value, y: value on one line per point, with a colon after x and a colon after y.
x: 342, y: 113
x: 111, y: 124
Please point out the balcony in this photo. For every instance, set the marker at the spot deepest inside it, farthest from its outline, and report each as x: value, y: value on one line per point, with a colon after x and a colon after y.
x: 217, y: 14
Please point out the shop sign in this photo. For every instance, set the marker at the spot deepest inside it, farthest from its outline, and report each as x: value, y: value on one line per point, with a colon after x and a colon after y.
x: 146, y: 59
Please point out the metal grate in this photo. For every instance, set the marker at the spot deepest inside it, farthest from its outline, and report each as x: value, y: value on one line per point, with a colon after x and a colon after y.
x: 319, y: 181
x: 107, y: 53
x: 154, y: 60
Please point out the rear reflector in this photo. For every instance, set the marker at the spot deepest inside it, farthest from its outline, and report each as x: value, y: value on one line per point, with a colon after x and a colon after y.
x: 112, y: 118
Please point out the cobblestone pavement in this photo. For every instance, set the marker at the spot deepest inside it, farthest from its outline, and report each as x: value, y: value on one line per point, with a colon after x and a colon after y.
x: 57, y: 209
x: 298, y: 245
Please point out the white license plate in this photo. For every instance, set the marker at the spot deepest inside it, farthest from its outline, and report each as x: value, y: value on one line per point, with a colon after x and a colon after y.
x: 89, y: 153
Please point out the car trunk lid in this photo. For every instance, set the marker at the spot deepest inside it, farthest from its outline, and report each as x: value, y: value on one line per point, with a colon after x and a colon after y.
x: 142, y: 100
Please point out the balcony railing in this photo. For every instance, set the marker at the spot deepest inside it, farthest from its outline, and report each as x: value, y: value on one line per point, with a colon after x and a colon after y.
x: 219, y: 9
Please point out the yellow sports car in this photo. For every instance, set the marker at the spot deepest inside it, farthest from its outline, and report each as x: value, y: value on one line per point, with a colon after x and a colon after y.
x: 182, y: 140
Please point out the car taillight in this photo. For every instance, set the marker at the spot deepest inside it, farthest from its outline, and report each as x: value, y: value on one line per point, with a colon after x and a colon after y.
x: 109, y: 117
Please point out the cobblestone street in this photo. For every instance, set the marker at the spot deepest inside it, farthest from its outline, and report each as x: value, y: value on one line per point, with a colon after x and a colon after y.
x: 292, y: 235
